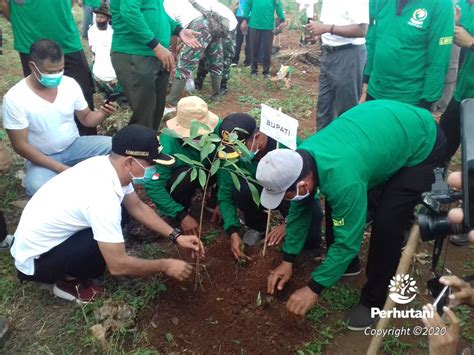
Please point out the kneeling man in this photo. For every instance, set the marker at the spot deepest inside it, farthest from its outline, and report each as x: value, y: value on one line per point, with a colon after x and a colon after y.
x: 70, y: 231
x: 379, y: 143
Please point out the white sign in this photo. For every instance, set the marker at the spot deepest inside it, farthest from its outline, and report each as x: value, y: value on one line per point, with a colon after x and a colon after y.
x: 279, y: 126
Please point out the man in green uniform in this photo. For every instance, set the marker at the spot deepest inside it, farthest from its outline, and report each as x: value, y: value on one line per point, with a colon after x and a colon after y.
x: 378, y: 143
x: 175, y: 205
x: 259, y: 21
x: 409, y: 50
x: 230, y: 199
x: 450, y: 120
x: 140, y: 55
x: 52, y: 19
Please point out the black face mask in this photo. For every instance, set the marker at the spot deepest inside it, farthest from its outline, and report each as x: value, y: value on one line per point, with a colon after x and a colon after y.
x: 102, y: 25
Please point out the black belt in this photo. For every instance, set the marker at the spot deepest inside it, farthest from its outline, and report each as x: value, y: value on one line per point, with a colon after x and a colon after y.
x: 332, y: 49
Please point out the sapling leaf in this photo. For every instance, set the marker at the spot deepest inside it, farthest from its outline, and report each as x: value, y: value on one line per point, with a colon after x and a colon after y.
x: 188, y: 161
x: 206, y: 150
x: 191, y: 143
x: 194, y: 174
x: 202, y: 178
x: 215, y: 166
x: 235, y: 180
x: 258, y: 301
x: 196, y: 129
x: 179, y: 179
x: 255, y: 194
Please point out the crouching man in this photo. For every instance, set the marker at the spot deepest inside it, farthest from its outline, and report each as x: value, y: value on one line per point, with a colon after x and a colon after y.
x: 70, y: 231
x: 378, y: 143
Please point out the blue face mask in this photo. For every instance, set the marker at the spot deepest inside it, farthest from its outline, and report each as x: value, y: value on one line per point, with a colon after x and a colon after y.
x: 149, y: 173
x: 299, y: 197
x: 48, y: 80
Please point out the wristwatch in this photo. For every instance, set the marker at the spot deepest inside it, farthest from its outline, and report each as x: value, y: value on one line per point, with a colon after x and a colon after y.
x: 174, y: 235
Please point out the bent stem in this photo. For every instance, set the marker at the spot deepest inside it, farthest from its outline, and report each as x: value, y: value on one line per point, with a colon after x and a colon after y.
x: 196, y: 280
x: 266, y: 233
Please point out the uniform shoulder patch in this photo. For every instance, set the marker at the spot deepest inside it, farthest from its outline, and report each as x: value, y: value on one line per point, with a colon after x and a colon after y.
x: 444, y: 41
x: 338, y: 222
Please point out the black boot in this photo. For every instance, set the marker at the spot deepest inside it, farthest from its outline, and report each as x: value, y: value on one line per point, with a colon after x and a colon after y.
x: 223, y: 86
x: 201, y: 75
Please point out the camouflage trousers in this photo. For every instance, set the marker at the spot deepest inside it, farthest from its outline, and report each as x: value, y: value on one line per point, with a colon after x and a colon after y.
x: 211, y: 48
x: 228, y: 45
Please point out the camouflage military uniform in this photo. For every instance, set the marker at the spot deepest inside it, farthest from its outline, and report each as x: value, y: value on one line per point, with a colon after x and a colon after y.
x: 211, y: 48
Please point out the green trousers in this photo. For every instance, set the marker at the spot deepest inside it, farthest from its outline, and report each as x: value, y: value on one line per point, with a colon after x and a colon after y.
x: 144, y: 83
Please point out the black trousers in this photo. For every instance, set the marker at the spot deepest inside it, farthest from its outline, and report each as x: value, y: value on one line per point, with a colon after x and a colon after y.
x: 75, y: 66
x: 262, y: 38
x: 256, y: 217
x: 450, y: 123
x: 3, y: 227
x: 239, y: 40
x: 78, y: 256
x: 393, y: 205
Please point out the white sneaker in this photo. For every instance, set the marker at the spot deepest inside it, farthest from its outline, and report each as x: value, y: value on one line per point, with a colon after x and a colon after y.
x: 7, y: 243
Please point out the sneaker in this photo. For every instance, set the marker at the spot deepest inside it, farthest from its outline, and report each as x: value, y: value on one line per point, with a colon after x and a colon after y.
x: 252, y: 237
x: 359, y: 318
x: 79, y: 291
x: 459, y: 239
x: 353, y: 269
x: 266, y: 76
x: 254, y: 73
x: 169, y: 109
x: 233, y: 65
x: 7, y: 243
x: 4, y: 326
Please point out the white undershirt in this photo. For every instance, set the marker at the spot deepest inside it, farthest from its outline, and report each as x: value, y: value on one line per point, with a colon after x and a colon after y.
x: 101, y: 43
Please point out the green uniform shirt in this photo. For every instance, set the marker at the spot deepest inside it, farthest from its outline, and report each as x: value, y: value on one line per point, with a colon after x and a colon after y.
x: 137, y: 23
x: 158, y: 190
x: 225, y: 184
x: 408, y: 54
x: 33, y: 20
x: 359, y: 150
x: 465, y: 85
x: 92, y: 3
x: 262, y: 13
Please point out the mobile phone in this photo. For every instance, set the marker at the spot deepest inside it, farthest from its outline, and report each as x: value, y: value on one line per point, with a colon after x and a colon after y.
x: 442, y: 300
x: 467, y: 153
x: 113, y: 98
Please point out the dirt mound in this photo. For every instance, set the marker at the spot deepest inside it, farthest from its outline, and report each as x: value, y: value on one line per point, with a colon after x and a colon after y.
x: 232, y: 313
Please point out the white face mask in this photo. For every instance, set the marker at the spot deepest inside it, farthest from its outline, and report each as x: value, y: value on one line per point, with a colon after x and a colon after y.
x: 299, y: 197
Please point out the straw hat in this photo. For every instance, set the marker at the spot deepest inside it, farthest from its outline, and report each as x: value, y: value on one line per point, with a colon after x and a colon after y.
x: 189, y: 109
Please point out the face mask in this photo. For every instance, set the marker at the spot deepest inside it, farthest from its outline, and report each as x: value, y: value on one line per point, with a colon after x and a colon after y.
x: 49, y: 80
x: 148, y: 174
x: 102, y: 25
x: 251, y: 154
x: 299, y: 197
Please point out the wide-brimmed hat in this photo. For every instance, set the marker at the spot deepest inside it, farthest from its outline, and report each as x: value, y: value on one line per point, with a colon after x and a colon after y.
x: 104, y: 10
x: 189, y: 109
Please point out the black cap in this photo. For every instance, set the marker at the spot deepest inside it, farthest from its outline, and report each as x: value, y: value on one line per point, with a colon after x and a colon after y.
x: 243, y: 125
x: 140, y: 142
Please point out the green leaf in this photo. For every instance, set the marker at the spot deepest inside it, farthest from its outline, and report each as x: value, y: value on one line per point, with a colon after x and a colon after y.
x: 178, y: 180
x: 194, y: 174
x: 258, y: 301
x: 196, y: 126
x: 188, y: 161
x: 202, y: 178
x: 207, y: 150
x: 191, y: 143
x: 255, y: 193
x: 170, y: 132
x: 215, y: 166
x: 235, y: 180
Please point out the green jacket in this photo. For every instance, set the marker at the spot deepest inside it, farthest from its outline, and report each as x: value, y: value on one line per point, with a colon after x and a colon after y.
x: 139, y: 25
x: 359, y: 150
x: 408, y: 54
x: 34, y: 20
x: 465, y: 85
x: 159, y: 190
x: 93, y: 3
x: 225, y: 185
x: 262, y: 13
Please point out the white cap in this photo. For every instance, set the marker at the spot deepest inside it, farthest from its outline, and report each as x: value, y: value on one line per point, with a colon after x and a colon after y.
x: 276, y: 172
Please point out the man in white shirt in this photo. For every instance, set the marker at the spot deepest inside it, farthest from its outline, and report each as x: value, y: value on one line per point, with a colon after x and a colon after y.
x: 100, y: 40
x: 192, y: 16
x: 342, y: 29
x: 70, y: 231
x: 38, y: 114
